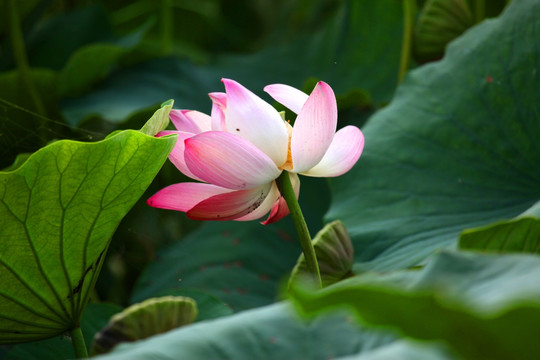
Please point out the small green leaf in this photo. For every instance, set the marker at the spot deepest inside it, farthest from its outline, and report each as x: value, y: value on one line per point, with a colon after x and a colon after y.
x: 160, y: 120
x: 334, y: 252
x: 140, y: 321
x: 59, y: 211
x: 521, y: 234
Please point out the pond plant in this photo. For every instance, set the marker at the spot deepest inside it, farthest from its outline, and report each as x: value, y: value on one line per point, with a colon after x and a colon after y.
x: 367, y: 187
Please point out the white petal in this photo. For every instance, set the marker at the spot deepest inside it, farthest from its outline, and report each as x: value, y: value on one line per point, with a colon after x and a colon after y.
x: 314, y: 128
x: 288, y: 96
x: 342, y: 154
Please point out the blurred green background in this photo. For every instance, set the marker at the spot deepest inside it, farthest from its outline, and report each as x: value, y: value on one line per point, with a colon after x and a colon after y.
x: 82, y: 69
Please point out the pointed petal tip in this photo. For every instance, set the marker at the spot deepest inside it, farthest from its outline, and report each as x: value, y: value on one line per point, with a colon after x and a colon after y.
x: 217, y: 95
x: 229, y: 82
x: 256, y: 120
x: 325, y: 88
x: 324, y: 85
x: 231, y: 85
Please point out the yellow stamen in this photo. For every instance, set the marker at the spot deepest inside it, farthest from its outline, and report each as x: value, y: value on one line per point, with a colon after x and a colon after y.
x: 288, y: 165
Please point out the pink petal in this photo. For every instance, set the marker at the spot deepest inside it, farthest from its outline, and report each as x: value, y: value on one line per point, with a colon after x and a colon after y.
x: 184, y: 196
x: 257, y: 121
x: 280, y: 208
x: 176, y: 156
x: 265, y: 207
x: 291, y: 97
x: 227, y: 160
x: 190, y: 121
x: 219, y: 105
x: 230, y: 205
x: 314, y: 128
x: 342, y: 154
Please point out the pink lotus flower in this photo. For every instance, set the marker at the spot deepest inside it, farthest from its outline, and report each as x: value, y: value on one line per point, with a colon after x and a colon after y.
x: 239, y: 151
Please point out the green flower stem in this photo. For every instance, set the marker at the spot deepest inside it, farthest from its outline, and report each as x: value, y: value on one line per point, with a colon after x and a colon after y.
x: 19, y: 53
x: 409, y: 13
x: 301, y: 226
x: 79, y: 345
x: 166, y: 23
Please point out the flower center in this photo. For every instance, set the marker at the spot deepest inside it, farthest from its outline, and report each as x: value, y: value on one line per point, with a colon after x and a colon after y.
x: 288, y: 165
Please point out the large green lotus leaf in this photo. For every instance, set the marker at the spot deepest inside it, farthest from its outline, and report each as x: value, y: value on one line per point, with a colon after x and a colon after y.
x: 59, y: 211
x: 238, y: 263
x: 241, y: 263
x: 484, y: 307
x: 94, y: 317
x: 361, y: 38
x: 521, y: 234
x: 272, y: 332
x: 457, y: 147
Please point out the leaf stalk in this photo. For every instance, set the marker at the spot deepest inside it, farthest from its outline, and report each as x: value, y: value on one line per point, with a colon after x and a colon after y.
x: 79, y: 345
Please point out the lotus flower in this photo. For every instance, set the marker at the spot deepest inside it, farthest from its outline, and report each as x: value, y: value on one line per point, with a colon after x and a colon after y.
x: 239, y: 151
